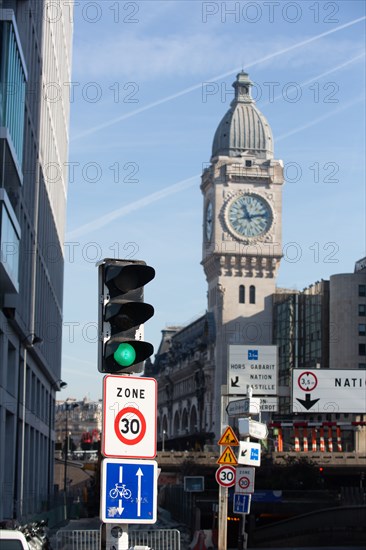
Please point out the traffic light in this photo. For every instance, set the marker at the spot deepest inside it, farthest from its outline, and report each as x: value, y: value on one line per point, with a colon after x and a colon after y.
x: 122, y: 313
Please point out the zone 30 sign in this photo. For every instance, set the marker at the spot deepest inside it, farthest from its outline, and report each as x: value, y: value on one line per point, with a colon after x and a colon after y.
x: 129, y: 417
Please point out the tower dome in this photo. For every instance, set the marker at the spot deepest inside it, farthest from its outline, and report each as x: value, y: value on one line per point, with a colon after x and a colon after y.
x: 243, y: 128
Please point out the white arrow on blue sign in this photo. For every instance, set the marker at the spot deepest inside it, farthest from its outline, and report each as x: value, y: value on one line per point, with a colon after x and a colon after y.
x: 129, y: 491
x: 242, y: 503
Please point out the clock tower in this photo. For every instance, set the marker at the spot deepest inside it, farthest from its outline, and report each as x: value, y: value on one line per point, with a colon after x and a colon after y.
x: 242, y: 191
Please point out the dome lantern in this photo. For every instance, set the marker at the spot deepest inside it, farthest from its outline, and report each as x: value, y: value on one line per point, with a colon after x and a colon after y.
x: 243, y: 129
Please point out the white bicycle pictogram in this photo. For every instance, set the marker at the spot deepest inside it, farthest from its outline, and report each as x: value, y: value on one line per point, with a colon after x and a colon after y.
x: 120, y: 491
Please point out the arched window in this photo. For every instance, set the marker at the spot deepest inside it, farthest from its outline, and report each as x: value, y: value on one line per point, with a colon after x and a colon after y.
x: 241, y: 294
x: 252, y: 294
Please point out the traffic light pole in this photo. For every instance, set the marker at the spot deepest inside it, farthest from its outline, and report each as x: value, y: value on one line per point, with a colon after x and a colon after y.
x: 122, y: 351
x: 116, y: 537
x: 223, y: 491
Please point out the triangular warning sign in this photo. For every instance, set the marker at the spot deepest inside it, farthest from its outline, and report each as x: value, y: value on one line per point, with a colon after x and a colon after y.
x: 229, y: 438
x: 228, y: 457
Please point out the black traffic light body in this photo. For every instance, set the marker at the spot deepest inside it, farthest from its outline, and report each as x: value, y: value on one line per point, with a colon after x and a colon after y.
x: 122, y: 313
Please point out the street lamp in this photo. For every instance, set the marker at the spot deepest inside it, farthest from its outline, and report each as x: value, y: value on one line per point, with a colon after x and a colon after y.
x: 163, y: 441
x: 58, y: 385
x: 68, y: 407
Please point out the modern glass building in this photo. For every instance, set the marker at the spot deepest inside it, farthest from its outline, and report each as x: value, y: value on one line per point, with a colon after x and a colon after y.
x: 35, y: 52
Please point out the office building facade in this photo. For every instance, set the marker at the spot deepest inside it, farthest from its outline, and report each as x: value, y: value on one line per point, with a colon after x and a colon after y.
x: 35, y: 53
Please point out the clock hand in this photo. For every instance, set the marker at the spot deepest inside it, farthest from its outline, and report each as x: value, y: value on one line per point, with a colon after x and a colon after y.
x: 246, y: 213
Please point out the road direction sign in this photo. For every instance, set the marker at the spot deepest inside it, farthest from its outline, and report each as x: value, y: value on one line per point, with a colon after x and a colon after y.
x: 249, y: 453
x: 242, y: 503
x: 251, y: 428
x: 244, y: 479
x: 254, y: 366
x: 128, y: 491
x: 329, y: 390
x: 248, y: 405
x: 225, y: 476
x: 269, y: 404
x: 129, y: 417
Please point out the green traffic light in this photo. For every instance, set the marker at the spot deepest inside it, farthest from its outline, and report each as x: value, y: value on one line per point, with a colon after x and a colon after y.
x: 125, y: 355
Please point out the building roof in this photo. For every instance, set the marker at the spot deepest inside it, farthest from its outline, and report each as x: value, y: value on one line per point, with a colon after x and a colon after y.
x: 243, y: 129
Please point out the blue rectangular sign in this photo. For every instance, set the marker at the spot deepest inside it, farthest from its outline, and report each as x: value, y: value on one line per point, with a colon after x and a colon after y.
x: 129, y: 491
x: 241, y: 503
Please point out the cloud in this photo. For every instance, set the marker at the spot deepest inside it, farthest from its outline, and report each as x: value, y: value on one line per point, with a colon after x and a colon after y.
x: 263, y: 59
x: 144, y: 56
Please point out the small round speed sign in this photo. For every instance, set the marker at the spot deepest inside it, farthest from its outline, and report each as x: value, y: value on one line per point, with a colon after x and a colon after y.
x: 225, y: 476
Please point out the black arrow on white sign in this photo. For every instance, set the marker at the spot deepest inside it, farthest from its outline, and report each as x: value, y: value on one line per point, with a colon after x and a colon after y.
x: 307, y: 402
x: 235, y: 383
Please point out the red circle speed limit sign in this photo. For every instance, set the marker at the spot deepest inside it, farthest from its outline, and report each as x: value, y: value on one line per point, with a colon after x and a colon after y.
x: 226, y: 476
x: 130, y: 426
x: 243, y: 482
x: 129, y: 417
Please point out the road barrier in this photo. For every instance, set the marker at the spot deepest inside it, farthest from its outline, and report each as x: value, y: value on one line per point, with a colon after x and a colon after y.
x: 158, y: 539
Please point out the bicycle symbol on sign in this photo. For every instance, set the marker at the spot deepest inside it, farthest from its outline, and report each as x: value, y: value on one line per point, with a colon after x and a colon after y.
x: 120, y: 490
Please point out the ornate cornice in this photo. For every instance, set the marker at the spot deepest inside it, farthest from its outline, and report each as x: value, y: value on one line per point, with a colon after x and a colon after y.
x: 237, y: 265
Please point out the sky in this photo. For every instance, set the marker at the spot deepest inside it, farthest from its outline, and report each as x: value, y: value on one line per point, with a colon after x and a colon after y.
x: 151, y: 81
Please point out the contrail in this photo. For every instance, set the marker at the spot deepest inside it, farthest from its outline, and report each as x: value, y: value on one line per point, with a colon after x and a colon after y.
x: 185, y: 184
x: 319, y: 76
x: 321, y: 118
x: 268, y: 57
x: 120, y: 212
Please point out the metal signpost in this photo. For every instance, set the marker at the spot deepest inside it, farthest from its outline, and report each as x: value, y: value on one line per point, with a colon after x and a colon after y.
x: 226, y: 476
x: 223, y: 491
x: 248, y: 405
x: 252, y: 428
x: 128, y: 480
x: 329, y: 390
x: 241, y: 406
x: 242, y: 504
x: 254, y: 366
x: 252, y: 370
x: 249, y: 453
x: 129, y: 490
x: 244, y: 482
x: 269, y: 404
x: 129, y: 417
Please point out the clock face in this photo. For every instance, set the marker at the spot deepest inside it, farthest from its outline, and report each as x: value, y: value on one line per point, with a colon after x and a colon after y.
x: 209, y: 220
x: 249, y: 216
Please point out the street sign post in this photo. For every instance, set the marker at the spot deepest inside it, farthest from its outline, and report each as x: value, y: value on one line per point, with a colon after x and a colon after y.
x: 129, y: 417
x: 128, y: 491
x: 249, y: 453
x: 329, y: 390
x: 113, y: 536
x: 251, y: 428
x: 269, y: 404
x: 248, y: 405
x: 228, y: 438
x: 254, y: 366
x: 242, y: 503
x: 244, y: 482
x: 225, y: 476
x: 227, y: 457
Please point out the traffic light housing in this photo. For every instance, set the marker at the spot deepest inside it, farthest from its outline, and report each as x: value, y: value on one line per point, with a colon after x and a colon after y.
x: 122, y: 313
